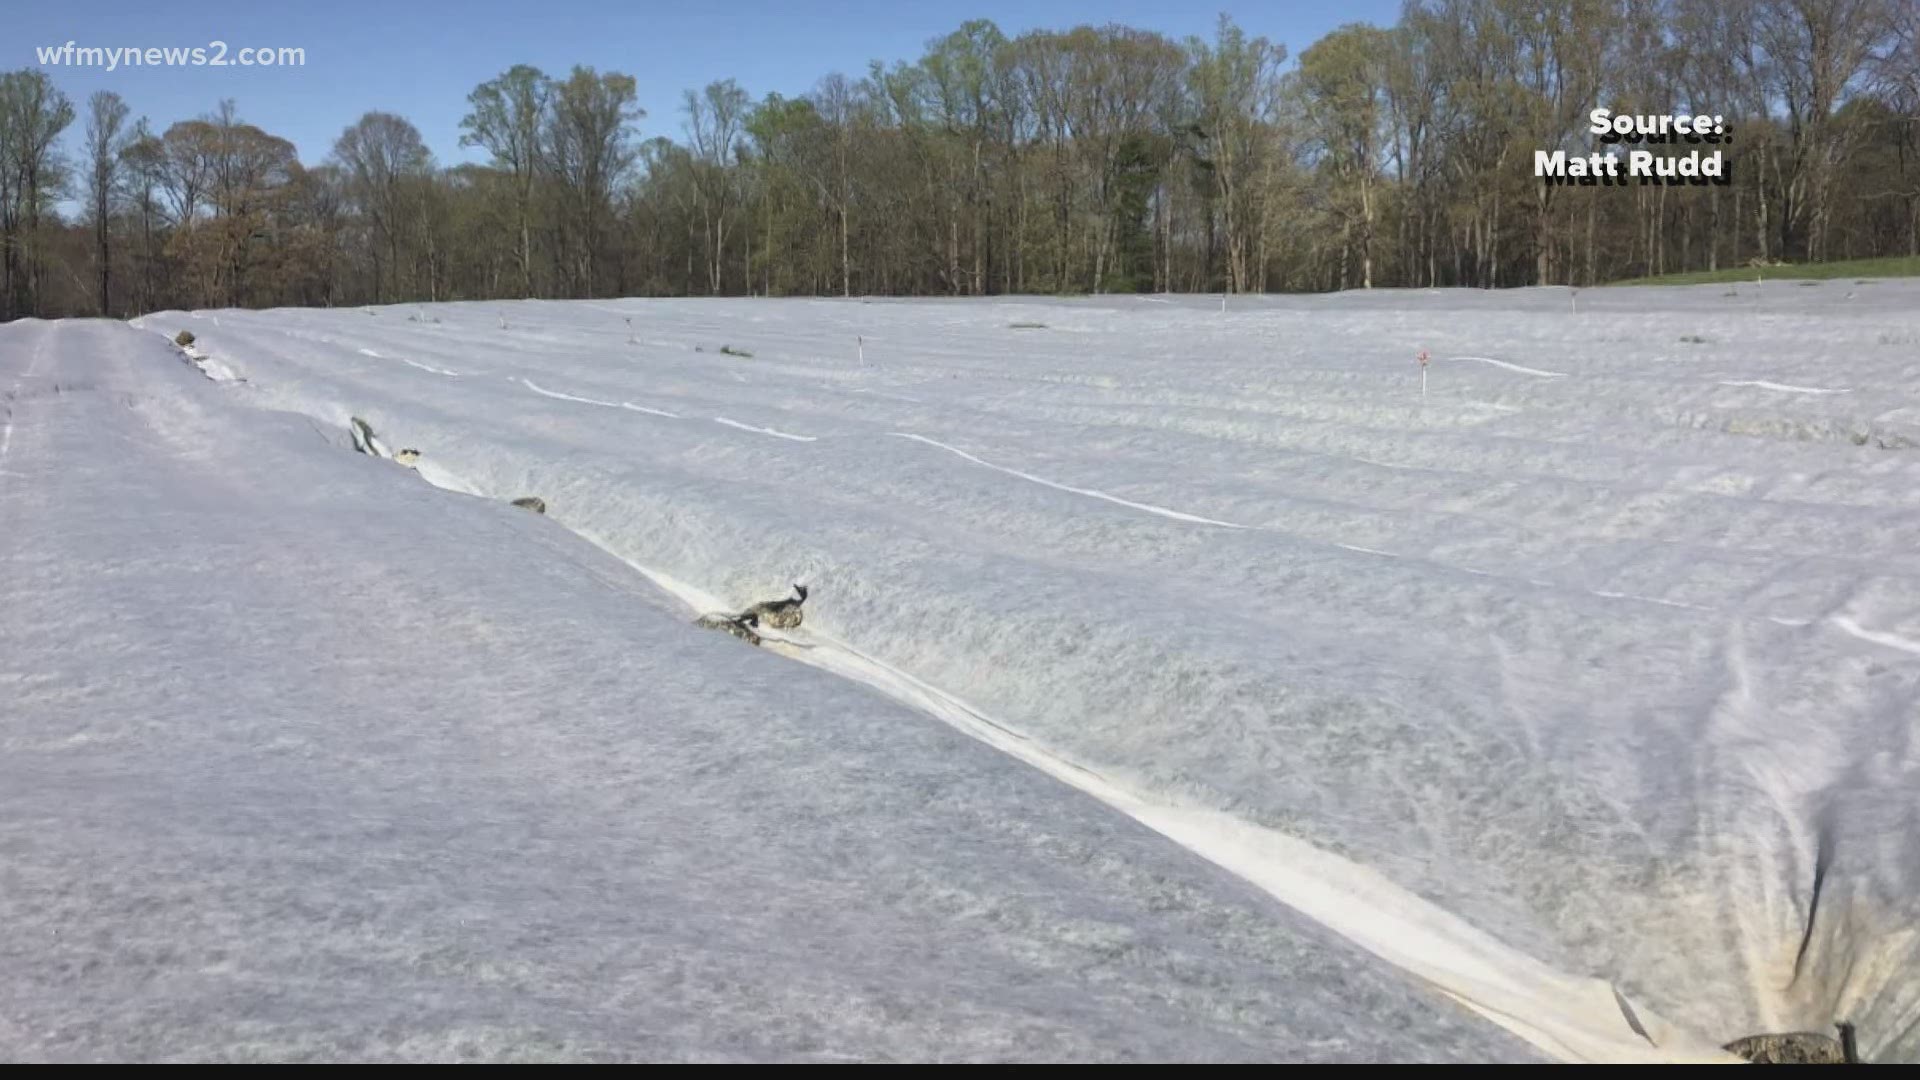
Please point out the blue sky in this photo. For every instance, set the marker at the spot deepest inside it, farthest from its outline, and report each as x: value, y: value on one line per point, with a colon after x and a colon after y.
x: 421, y: 60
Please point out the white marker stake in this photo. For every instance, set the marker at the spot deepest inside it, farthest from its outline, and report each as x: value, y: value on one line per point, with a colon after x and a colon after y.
x: 1423, y: 376
x: 1223, y: 303
x: 860, y: 343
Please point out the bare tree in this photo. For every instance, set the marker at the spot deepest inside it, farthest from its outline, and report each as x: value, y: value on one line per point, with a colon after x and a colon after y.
x: 590, y: 151
x: 106, y: 115
x: 840, y: 107
x: 1341, y: 76
x: 1817, y: 48
x: 143, y: 163
x: 1235, y: 87
x: 381, y: 155
x: 32, y: 174
x: 716, y: 121
x: 507, y: 119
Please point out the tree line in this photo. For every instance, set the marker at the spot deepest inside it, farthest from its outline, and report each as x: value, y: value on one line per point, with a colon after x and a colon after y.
x: 1095, y: 159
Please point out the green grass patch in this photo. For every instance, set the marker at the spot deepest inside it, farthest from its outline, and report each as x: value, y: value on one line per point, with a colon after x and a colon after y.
x: 1027, y: 326
x: 728, y: 350
x: 1859, y: 269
